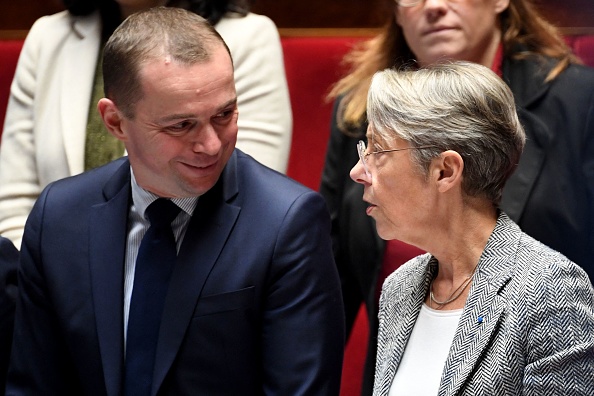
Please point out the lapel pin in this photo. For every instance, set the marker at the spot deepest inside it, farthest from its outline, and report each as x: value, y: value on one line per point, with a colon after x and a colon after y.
x: 480, y: 319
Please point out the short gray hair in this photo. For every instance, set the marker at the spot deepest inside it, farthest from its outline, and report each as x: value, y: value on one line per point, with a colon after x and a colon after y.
x: 458, y: 106
x: 185, y: 36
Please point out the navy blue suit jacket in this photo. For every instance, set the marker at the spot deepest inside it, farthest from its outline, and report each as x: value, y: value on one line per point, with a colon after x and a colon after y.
x: 254, y: 304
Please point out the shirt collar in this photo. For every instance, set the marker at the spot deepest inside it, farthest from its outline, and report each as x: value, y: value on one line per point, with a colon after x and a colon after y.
x: 143, y: 198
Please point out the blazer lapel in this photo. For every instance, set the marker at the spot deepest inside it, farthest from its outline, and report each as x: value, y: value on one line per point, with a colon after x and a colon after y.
x: 526, y: 80
x: 76, y: 83
x: 207, y: 233
x: 107, y: 247
x: 484, y: 308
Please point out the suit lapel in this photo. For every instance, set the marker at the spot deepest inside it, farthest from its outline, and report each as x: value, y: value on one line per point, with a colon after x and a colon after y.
x: 473, y: 334
x: 207, y: 233
x: 526, y: 80
x: 484, y: 308
x: 107, y: 247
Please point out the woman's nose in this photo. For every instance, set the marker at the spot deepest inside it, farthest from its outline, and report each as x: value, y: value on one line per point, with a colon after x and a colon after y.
x: 359, y: 174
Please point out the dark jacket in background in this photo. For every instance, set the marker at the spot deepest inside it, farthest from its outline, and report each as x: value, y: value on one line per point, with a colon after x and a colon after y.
x: 9, y: 258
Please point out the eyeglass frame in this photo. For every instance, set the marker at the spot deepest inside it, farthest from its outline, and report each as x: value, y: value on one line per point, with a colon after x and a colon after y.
x: 362, y: 147
x: 412, y: 4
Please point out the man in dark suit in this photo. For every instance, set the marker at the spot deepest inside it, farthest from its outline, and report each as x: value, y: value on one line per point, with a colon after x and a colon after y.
x: 9, y: 258
x: 253, y: 303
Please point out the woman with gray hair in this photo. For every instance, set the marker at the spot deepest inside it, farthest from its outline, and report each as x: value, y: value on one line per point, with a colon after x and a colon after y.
x: 488, y: 310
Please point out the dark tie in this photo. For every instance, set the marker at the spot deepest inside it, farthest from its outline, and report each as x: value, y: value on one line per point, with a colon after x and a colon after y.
x: 154, y: 264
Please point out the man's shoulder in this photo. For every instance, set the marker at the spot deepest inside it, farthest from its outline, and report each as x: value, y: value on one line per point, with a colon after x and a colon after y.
x: 91, y: 182
x: 264, y: 192
x: 256, y: 175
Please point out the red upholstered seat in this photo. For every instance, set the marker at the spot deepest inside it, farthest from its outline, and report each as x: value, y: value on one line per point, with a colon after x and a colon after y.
x: 312, y: 65
x: 9, y: 54
x: 583, y: 46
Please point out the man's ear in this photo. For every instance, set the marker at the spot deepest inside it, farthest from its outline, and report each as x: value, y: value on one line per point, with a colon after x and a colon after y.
x: 112, y: 117
x: 446, y: 170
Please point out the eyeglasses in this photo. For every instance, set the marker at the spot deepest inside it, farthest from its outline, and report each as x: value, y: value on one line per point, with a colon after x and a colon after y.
x: 407, y: 3
x: 362, y: 147
x: 412, y: 3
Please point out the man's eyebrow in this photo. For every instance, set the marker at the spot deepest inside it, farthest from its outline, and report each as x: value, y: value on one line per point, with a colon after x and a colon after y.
x: 174, y: 117
x: 182, y: 116
x: 229, y: 103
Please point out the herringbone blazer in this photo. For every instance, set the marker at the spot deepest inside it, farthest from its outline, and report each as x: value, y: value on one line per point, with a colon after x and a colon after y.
x: 527, y: 327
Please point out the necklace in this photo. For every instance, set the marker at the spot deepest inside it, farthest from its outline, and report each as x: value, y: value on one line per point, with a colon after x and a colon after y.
x: 455, y: 294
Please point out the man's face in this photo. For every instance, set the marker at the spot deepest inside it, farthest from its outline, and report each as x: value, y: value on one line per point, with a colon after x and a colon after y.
x: 185, y: 126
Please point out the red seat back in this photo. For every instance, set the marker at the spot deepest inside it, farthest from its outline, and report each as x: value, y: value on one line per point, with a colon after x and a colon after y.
x: 9, y: 55
x: 312, y: 65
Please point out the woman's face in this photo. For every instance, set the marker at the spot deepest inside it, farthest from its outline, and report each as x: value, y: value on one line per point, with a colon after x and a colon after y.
x: 128, y: 7
x: 438, y: 30
x: 398, y: 195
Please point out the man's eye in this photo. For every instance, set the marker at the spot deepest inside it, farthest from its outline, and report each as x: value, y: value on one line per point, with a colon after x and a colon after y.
x: 180, y: 126
x: 224, y: 114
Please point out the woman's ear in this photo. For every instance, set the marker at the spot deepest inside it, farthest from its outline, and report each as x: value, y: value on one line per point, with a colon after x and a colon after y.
x: 501, y: 5
x: 112, y: 117
x: 446, y: 170
x: 397, y: 16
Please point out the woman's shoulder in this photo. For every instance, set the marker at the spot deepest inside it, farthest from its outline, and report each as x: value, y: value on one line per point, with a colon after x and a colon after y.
x: 576, y: 78
x: 542, y: 271
x: 252, y: 36
x: 534, y: 255
x: 235, y: 25
x: 61, y: 21
x: 53, y: 28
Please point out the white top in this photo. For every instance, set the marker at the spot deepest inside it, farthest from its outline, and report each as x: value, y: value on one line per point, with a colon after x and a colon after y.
x: 419, y: 372
x: 45, y: 128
